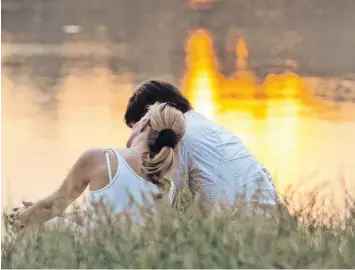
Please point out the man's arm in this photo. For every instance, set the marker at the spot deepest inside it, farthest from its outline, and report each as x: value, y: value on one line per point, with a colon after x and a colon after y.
x: 71, y: 188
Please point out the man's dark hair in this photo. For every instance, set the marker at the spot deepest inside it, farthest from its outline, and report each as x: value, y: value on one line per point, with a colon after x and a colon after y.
x: 151, y: 92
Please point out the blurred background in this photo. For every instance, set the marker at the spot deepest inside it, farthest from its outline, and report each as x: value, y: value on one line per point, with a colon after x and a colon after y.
x: 279, y: 73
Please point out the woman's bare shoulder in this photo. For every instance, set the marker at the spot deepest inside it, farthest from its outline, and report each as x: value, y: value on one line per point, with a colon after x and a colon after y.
x: 92, y: 153
x: 96, y: 156
x: 92, y: 157
x: 99, y: 151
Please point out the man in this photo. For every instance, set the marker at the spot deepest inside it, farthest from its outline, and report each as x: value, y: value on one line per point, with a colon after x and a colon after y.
x: 218, y: 165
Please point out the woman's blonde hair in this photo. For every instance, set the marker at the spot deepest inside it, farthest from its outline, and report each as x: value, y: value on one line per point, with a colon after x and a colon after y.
x: 167, y: 128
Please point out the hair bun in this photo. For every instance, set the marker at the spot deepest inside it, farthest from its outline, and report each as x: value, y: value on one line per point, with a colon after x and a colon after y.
x: 166, y: 137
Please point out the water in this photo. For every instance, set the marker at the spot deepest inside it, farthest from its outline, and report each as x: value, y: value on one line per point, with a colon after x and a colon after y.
x: 46, y: 125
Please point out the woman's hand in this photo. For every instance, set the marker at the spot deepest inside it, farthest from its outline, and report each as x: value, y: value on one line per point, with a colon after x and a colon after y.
x: 18, y: 217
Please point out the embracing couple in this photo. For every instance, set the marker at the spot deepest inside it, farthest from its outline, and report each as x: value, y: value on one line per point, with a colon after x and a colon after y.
x: 169, y: 142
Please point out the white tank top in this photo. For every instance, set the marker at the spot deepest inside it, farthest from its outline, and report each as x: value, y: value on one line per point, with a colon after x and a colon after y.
x: 124, y: 186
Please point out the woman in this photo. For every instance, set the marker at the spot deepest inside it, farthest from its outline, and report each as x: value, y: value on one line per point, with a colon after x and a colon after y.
x: 115, y: 176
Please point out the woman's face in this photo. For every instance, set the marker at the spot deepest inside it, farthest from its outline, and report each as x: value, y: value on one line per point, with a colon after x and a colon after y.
x: 137, y: 129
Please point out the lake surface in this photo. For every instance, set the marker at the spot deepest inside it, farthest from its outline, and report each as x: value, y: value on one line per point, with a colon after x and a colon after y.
x: 43, y: 132
x: 40, y: 143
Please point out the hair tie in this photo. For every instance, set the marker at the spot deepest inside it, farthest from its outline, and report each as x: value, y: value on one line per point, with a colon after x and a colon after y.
x: 166, y: 137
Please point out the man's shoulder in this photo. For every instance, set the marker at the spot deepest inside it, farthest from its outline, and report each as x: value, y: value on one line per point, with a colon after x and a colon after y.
x: 198, y: 127
x: 202, y: 136
x: 197, y: 121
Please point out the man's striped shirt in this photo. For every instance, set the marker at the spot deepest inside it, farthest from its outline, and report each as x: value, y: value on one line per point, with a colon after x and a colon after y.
x: 218, y: 165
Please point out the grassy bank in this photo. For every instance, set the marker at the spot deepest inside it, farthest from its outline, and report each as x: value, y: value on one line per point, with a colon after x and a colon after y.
x: 187, y: 238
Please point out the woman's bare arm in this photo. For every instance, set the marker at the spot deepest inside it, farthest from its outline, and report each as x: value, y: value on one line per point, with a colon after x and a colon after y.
x: 71, y: 188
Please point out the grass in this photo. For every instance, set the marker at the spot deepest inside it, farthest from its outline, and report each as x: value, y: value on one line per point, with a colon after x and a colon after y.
x: 191, y: 238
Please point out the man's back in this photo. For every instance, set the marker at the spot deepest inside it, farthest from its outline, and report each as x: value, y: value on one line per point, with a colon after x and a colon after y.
x: 218, y: 164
